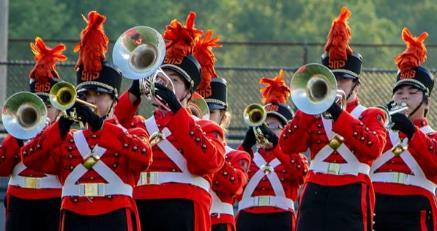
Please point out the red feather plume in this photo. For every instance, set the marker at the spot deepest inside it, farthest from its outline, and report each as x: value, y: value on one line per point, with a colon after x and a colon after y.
x: 275, y: 90
x: 93, y: 43
x: 337, y: 44
x: 203, y: 52
x: 45, y: 60
x: 415, y: 53
x: 181, y: 38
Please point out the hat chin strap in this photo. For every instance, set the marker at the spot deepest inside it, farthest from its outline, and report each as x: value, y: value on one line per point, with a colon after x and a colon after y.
x: 418, y: 106
x: 352, y: 90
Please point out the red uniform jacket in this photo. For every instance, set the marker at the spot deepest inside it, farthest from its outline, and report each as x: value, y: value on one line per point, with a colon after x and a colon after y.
x: 228, y: 184
x: 364, y: 136
x: 423, y: 148
x: 201, y: 144
x: 127, y: 154
x: 291, y: 171
x: 9, y: 161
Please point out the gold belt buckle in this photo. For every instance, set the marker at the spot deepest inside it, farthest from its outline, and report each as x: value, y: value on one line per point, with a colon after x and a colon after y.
x: 335, y: 142
x: 263, y: 200
x: 147, y: 178
x: 398, y: 149
x: 155, y: 138
x: 91, y: 189
x: 334, y: 168
x: 400, y: 177
x: 31, y: 182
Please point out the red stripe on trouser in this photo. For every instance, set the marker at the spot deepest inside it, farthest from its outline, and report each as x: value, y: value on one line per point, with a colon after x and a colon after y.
x: 364, y: 205
x: 423, y: 221
x: 129, y: 220
x: 62, y: 223
x: 300, y: 204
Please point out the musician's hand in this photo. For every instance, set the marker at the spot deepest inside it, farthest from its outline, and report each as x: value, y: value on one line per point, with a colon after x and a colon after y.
x: 249, y: 140
x: 134, y: 88
x: 88, y: 116
x: 402, y: 123
x: 168, y: 96
x: 269, y: 135
x: 334, y: 110
x: 389, y: 105
x: 64, y: 124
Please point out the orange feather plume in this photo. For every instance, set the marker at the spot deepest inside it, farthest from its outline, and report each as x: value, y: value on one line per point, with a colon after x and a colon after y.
x: 415, y: 53
x: 181, y: 39
x: 203, y: 52
x: 45, y: 60
x: 337, y: 44
x: 275, y: 90
x: 93, y: 43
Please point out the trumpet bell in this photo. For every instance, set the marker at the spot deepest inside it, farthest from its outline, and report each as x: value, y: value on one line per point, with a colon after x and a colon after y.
x: 254, y: 115
x: 24, y: 115
x: 139, y: 52
x: 63, y: 95
x: 198, y: 106
x: 314, y: 88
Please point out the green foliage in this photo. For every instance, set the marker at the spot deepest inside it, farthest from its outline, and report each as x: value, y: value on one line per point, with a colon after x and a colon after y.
x: 372, y: 21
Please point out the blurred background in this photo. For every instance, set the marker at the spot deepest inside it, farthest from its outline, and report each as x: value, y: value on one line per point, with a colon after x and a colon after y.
x: 259, y: 38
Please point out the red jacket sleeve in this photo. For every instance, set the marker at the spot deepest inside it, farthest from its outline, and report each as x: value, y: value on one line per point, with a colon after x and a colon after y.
x: 202, y: 142
x: 366, y: 135
x: 132, y: 143
x: 297, y: 163
x: 125, y: 109
x: 232, y: 177
x: 295, y: 136
x: 424, y: 150
x: 42, y: 152
x: 9, y: 155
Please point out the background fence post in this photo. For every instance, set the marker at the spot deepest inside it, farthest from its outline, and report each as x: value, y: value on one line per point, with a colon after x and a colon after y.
x: 4, y: 15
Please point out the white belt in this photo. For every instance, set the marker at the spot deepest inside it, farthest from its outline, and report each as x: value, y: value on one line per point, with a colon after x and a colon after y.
x: 339, y: 169
x: 157, y: 178
x: 46, y: 182
x: 97, y: 189
x: 406, y: 179
x: 222, y: 208
x: 274, y: 201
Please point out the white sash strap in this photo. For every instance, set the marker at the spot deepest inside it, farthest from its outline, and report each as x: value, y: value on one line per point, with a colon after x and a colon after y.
x: 184, y: 177
x: 279, y: 200
x: 418, y: 178
x: 46, y: 182
x: 220, y: 207
x: 115, y: 185
x: 352, y: 166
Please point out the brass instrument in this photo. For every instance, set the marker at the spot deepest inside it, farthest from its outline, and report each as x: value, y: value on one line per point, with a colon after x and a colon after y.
x: 314, y: 89
x: 395, y: 107
x: 254, y: 116
x: 138, y: 53
x: 24, y: 115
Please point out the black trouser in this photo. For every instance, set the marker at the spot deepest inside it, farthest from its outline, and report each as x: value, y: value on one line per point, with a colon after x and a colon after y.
x: 281, y: 221
x: 220, y: 227
x: 114, y: 221
x: 162, y: 215
x: 406, y: 213
x: 332, y: 208
x: 32, y: 215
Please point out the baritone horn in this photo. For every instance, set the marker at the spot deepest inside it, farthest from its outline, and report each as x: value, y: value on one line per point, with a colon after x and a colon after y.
x: 24, y: 115
x: 254, y: 116
x: 63, y: 95
x: 314, y: 89
x: 138, y: 53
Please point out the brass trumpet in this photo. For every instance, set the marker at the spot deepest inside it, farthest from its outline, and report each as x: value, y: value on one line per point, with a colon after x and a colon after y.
x: 314, y: 89
x: 24, y: 115
x: 63, y: 95
x: 254, y: 116
x: 395, y: 107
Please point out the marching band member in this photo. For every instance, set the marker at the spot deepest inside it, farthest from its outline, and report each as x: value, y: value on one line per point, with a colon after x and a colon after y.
x: 229, y: 181
x: 338, y: 194
x: 404, y: 177
x: 274, y: 177
x: 100, y: 164
x: 33, y: 198
x: 173, y: 194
